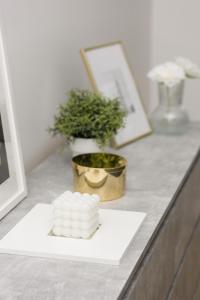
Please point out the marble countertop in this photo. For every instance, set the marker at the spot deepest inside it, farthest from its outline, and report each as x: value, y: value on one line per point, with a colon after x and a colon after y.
x: 156, y: 167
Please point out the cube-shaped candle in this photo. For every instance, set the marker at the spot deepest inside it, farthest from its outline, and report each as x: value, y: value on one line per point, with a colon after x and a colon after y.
x: 75, y: 215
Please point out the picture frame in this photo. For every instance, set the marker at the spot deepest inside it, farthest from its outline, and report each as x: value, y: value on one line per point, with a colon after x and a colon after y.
x: 12, y: 177
x: 110, y: 73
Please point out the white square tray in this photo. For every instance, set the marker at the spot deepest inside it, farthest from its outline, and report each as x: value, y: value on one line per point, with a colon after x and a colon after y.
x: 31, y: 237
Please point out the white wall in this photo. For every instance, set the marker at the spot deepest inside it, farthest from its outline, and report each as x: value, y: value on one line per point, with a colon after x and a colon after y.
x: 43, y: 38
x: 175, y: 32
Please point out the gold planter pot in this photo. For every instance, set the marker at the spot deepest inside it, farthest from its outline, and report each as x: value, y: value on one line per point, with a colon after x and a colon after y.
x: 100, y: 173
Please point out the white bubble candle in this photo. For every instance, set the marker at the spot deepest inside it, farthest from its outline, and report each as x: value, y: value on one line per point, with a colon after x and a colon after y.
x: 75, y: 215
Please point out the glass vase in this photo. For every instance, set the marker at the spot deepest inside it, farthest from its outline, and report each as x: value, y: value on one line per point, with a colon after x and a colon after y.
x: 170, y: 117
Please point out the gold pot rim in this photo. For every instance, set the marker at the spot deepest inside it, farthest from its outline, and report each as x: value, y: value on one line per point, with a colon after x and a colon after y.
x: 123, y: 161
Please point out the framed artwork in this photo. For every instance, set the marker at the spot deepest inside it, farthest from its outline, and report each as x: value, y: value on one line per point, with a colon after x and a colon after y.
x: 110, y: 74
x: 12, y: 179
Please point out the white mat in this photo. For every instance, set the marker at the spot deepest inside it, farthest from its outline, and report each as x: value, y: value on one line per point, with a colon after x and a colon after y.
x: 31, y: 237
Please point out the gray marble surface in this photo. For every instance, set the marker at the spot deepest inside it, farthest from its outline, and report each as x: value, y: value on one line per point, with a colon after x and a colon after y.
x: 156, y: 166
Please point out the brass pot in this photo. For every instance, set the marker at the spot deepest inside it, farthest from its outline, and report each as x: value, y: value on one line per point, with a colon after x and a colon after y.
x: 100, y: 173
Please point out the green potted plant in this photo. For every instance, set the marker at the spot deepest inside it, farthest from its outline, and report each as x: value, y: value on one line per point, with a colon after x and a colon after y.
x: 88, y: 120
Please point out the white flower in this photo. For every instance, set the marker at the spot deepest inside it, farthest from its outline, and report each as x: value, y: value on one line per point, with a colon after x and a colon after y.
x: 191, y: 70
x: 168, y: 73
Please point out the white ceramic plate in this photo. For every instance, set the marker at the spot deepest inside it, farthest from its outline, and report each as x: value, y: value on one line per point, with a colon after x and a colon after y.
x: 31, y: 237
